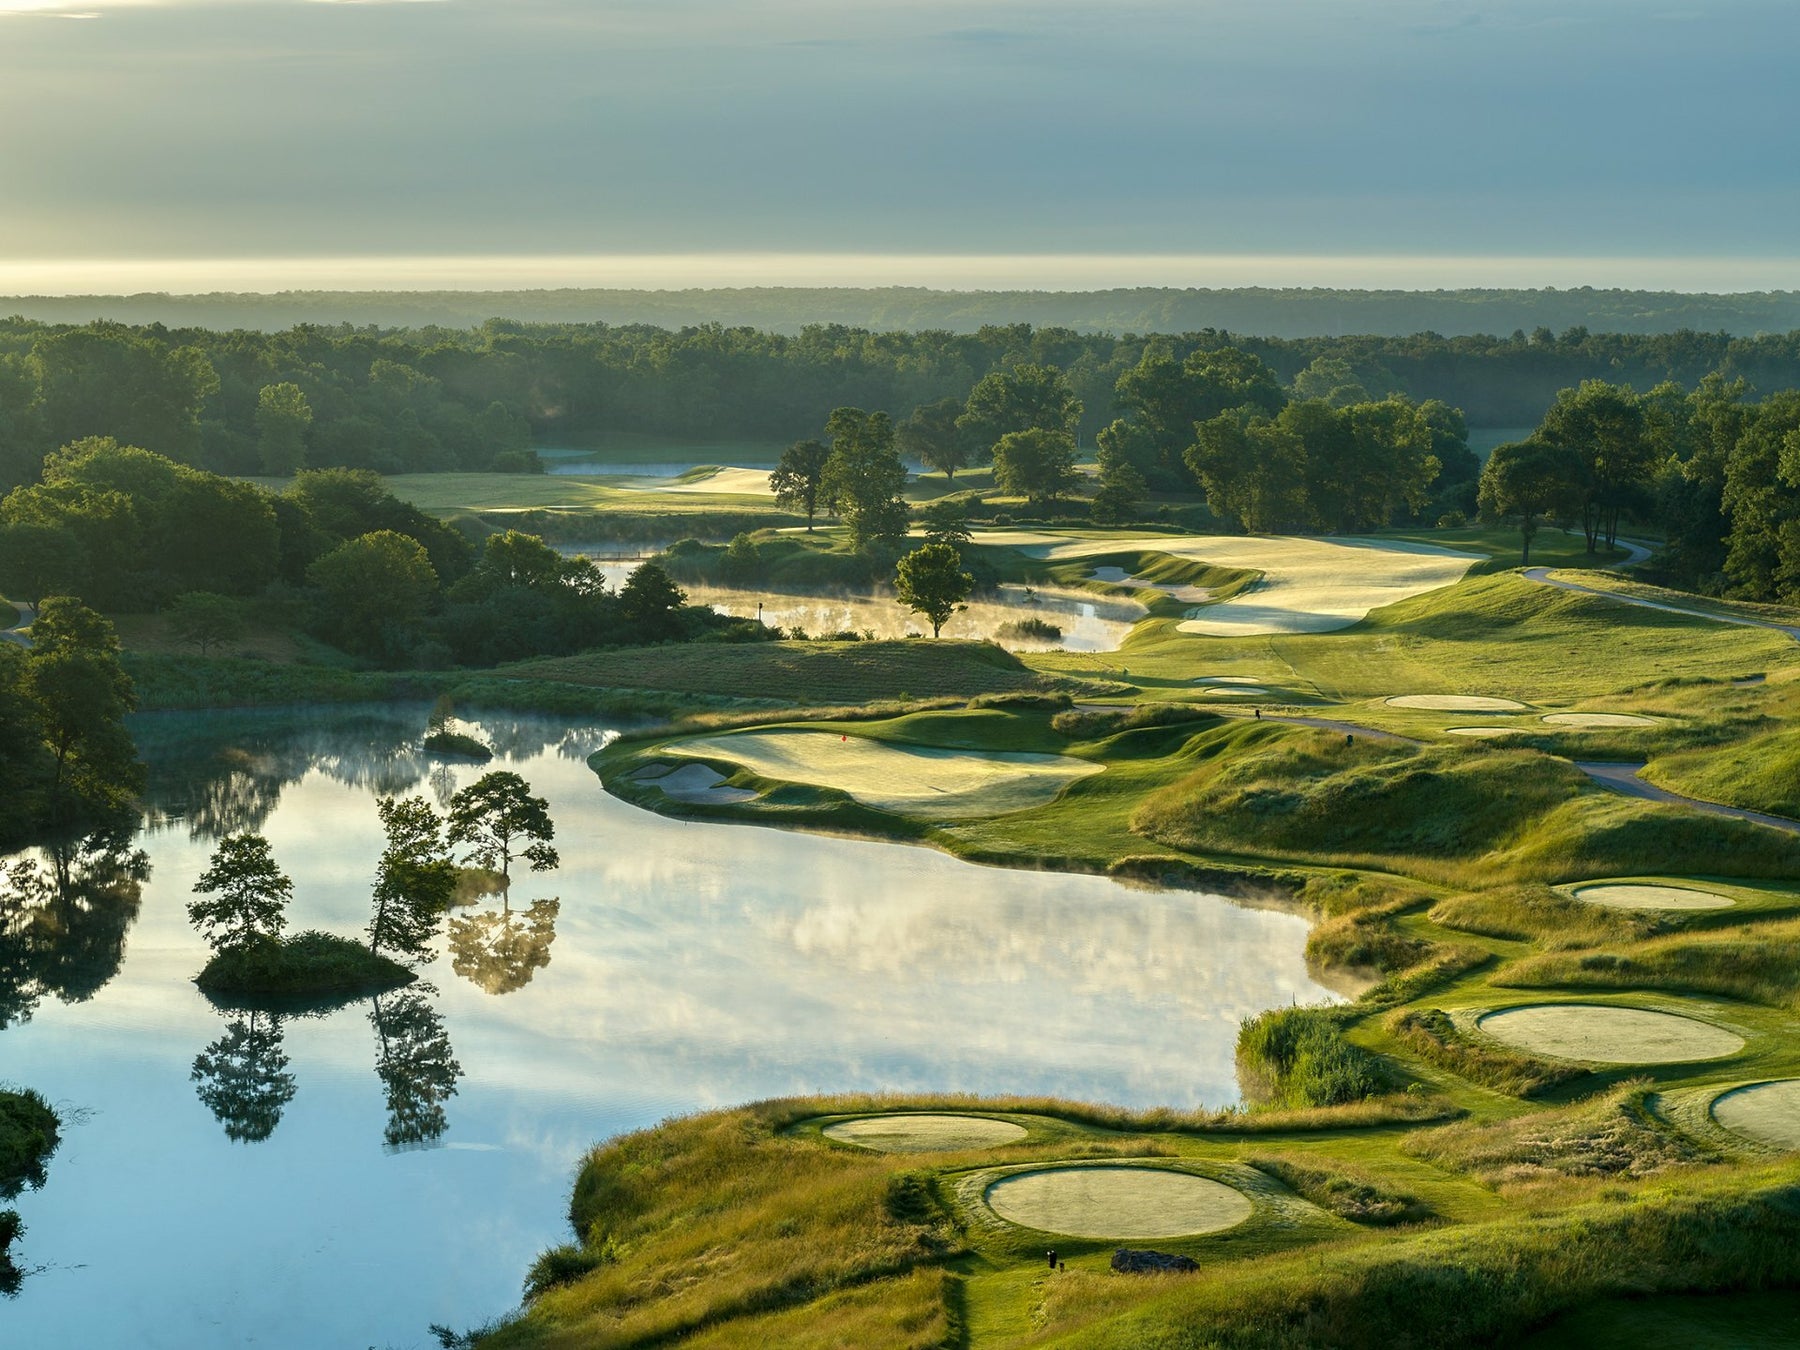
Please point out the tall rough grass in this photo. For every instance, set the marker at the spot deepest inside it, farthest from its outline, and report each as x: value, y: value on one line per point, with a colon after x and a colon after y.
x: 1299, y: 1057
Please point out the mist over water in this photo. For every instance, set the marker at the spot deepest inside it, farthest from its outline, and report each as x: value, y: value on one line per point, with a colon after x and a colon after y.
x: 230, y: 1179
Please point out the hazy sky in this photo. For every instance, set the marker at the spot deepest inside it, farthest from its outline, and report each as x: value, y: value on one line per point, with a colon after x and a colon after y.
x: 257, y: 128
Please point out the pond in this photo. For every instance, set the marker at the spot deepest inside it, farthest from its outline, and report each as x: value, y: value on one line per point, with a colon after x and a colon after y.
x: 230, y: 1180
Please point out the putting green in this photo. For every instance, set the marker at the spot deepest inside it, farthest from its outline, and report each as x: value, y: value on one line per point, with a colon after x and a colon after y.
x: 1633, y: 895
x: 1599, y: 1033
x: 1117, y: 1202
x: 918, y: 780
x: 1456, y: 703
x: 1599, y: 720
x: 1766, y: 1112
x: 925, y: 1133
x: 1481, y: 731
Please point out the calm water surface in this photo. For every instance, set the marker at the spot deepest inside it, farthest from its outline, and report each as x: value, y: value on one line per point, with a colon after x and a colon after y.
x: 347, y: 1180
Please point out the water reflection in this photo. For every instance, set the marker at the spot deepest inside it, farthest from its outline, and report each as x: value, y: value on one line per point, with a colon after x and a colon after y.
x: 413, y: 1059
x: 243, y: 1078
x: 499, y: 951
x: 695, y: 965
x: 63, y: 920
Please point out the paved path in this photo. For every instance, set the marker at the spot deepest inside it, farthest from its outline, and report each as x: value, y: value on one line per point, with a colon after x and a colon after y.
x: 1625, y: 778
x: 1543, y: 577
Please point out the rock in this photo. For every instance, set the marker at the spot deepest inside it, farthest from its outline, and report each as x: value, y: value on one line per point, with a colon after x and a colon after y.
x: 1127, y: 1262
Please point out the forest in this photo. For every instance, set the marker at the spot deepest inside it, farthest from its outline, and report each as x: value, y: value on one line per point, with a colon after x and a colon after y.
x: 244, y: 402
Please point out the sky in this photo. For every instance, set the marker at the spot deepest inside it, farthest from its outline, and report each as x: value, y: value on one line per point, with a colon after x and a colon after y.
x: 601, y: 141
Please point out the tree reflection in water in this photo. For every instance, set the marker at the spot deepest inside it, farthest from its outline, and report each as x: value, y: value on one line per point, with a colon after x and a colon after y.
x: 243, y: 1077
x: 500, y: 950
x: 417, y: 1069
x: 63, y: 921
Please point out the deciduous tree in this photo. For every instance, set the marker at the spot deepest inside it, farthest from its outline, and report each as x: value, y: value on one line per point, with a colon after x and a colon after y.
x: 930, y: 581
x: 246, y: 895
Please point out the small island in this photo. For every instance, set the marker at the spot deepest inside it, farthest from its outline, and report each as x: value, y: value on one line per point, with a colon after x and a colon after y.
x: 309, y: 965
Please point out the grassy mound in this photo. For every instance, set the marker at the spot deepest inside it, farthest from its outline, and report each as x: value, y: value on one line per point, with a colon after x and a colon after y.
x: 1343, y: 1191
x: 1313, y: 794
x: 1756, y: 964
x: 1759, y: 774
x: 309, y: 965
x: 1535, y: 912
x: 802, y: 672
x: 29, y: 1133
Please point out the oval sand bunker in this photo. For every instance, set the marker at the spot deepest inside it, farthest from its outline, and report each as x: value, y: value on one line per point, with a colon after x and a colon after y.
x: 1766, y: 1112
x: 1117, y: 1202
x: 1633, y: 895
x: 1455, y: 703
x: 1482, y: 731
x: 1602, y: 1034
x: 925, y: 1133
x: 1599, y: 720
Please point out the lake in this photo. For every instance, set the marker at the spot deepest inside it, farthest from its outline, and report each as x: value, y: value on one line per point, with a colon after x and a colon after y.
x: 346, y: 1180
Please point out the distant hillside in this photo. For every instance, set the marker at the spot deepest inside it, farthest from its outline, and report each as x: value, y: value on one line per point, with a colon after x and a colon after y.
x: 1258, y: 311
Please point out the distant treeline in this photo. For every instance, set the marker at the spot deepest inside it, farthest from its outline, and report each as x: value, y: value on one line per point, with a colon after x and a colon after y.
x: 475, y: 398
x: 1288, y: 312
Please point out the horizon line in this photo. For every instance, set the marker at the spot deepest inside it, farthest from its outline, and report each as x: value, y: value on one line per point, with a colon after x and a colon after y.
x: 971, y: 272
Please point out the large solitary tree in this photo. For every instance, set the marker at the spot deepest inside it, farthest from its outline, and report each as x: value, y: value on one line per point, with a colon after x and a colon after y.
x: 246, y: 895
x: 798, y: 478
x: 1529, y: 480
x: 864, y: 477
x: 930, y: 435
x: 930, y: 581
x: 499, y: 820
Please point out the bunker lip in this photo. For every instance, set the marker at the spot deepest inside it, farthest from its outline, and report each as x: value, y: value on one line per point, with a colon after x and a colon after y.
x: 1117, y: 1201
x: 924, y: 1132
x: 1767, y: 1112
x: 1456, y: 703
x: 1649, y: 895
x: 1605, y: 1033
x: 1598, y: 719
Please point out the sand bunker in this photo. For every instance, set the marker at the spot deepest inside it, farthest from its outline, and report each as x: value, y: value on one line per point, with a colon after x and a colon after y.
x: 1481, y: 731
x: 1226, y: 679
x: 1601, y: 1034
x: 1599, y: 720
x: 733, y: 482
x: 1632, y: 895
x: 1117, y: 1202
x: 1307, y: 586
x: 694, y: 783
x: 1236, y: 691
x: 925, y: 1133
x: 1766, y: 1112
x: 915, y: 779
x: 1456, y: 703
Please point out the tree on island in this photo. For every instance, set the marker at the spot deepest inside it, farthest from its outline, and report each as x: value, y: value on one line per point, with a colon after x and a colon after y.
x: 1529, y: 480
x: 415, y: 880
x: 930, y: 581
x: 494, y: 812
x: 798, y: 477
x: 248, y: 895
x: 243, y: 1078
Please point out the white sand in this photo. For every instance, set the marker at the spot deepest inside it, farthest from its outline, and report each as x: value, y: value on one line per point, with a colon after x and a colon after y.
x: 1599, y: 720
x: 1456, y: 703
x: 925, y: 1133
x: 913, y: 779
x: 730, y: 481
x: 1633, y: 895
x: 697, y: 783
x: 1308, y: 585
x: 1226, y: 679
x: 1117, y: 1202
x: 1602, y: 1034
x: 1236, y: 691
x: 1481, y: 731
x: 1766, y: 1112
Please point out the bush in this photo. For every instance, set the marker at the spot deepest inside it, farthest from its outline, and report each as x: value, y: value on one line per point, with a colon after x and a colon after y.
x: 309, y: 965
x: 1299, y: 1057
x: 455, y: 743
x: 1031, y: 629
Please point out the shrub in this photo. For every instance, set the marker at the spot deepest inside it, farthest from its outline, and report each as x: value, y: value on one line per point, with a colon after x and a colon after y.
x: 1299, y: 1057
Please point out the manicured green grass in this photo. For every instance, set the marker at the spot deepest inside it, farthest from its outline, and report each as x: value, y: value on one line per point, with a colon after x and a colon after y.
x: 307, y: 966
x: 795, y: 672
